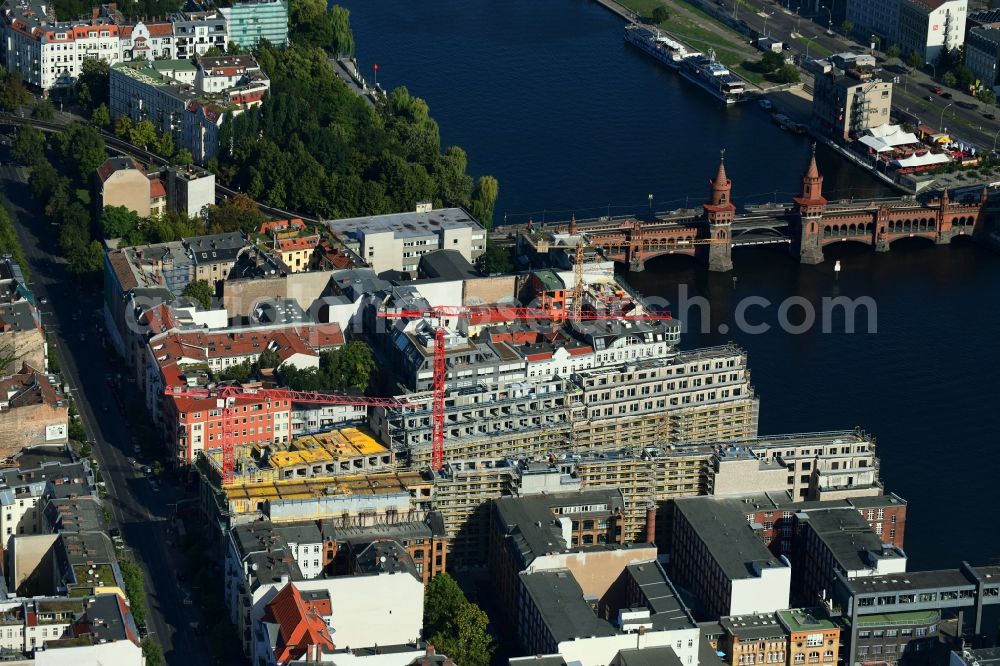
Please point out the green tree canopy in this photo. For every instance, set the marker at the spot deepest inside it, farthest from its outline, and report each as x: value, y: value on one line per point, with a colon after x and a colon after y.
x: 660, y: 14
x: 100, y: 116
x: 118, y: 221
x: 771, y: 61
x: 484, y: 199
x: 201, y: 291
x: 92, y: 84
x: 80, y: 150
x: 847, y: 27
x: 456, y: 627
x: 496, y: 259
x: 29, y: 146
x: 348, y: 368
x: 143, y: 134
x: 892, y: 51
x: 915, y: 60
x: 787, y: 73
x: 13, y: 93
x: 235, y: 214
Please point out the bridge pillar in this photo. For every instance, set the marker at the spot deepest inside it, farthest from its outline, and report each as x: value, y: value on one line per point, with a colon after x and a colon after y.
x: 636, y: 264
x: 720, y: 212
x: 807, y: 235
x: 720, y: 251
x: 881, y: 240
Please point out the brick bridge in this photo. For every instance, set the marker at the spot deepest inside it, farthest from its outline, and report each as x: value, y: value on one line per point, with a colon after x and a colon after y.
x: 806, y: 226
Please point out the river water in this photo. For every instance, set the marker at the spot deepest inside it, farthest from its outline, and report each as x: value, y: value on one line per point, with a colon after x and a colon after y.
x: 548, y: 98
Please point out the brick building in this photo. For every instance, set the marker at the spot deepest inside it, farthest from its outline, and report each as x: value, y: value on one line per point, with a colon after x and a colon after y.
x: 33, y: 411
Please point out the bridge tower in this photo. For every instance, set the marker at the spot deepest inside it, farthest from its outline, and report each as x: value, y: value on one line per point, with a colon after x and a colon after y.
x: 807, y: 237
x: 720, y: 211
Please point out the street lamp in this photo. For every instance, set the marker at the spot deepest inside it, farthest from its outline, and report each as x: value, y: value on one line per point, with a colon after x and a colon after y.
x: 941, y: 119
x: 650, y: 204
x: 766, y: 17
x: 933, y: 69
x: 829, y: 18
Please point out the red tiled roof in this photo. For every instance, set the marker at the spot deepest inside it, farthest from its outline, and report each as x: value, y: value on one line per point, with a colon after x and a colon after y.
x: 160, y: 29
x: 105, y: 170
x: 293, y: 244
x: 271, y: 226
x: 156, y: 189
x: 300, y: 626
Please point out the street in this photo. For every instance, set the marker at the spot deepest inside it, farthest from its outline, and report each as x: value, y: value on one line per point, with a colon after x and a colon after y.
x: 962, y: 114
x: 142, y: 514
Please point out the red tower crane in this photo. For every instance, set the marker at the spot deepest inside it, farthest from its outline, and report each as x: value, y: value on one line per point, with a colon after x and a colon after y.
x: 226, y: 400
x: 515, y: 313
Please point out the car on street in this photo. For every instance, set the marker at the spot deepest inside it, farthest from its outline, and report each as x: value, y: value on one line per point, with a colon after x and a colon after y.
x: 930, y: 98
x: 989, y: 116
x: 936, y: 90
x: 946, y: 95
x: 115, y: 533
x: 43, y: 301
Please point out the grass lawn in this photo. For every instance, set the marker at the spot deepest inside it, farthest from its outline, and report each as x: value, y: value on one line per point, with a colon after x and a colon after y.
x: 815, y: 50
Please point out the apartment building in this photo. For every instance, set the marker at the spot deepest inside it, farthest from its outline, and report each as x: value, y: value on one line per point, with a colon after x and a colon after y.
x: 169, y: 93
x: 874, y: 17
x: 982, y: 54
x: 48, y: 53
x: 262, y: 559
x: 788, y: 637
x: 846, y: 102
x: 57, y: 630
x: 33, y: 411
x: 840, y: 540
x: 123, y: 182
x: 928, y: 27
x: 579, y: 530
x: 486, y: 421
x: 716, y: 555
x: 197, y: 32
x: 329, y: 454
x: 396, y: 242
x: 556, y: 616
x: 250, y: 21
x: 26, y: 489
x: 190, y: 190
x: 689, y: 397
x: 20, y: 323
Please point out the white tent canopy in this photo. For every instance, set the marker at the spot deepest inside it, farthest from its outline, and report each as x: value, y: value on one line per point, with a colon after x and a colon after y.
x: 886, y: 137
x: 922, y: 160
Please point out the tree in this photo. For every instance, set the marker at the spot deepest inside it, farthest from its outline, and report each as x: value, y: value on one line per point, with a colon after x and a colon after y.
x: 80, y: 150
x: 118, y: 221
x: 13, y: 94
x: 132, y: 580
x: 237, y: 373
x: 771, y: 61
x: 443, y: 598
x: 43, y: 110
x: 214, y: 52
x: 470, y: 644
x: 29, y: 146
x: 847, y: 27
x: 123, y: 127
x: 100, y: 116
x: 92, y: 83
x: 142, y: 134
x: 200, y: 291
x: 892, y: 51
x: 352, y: 366
x: 986, y: 96
x: 235, y: 214
x: 495, y: 259
x: 914, y: 60
x: 182, y: 157
x: 788, y: 73
x: 949, y: 79
x: 484, y: 198
x: 660, y: 14
x: 152, y: 652
x: 165, y: 144
x: 455, y: 626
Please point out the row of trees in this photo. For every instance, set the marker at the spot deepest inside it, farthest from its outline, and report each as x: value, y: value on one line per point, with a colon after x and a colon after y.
x: 9, y: 242
x: 348, y: 368
x: 60, y: 170
x: 776, y: 68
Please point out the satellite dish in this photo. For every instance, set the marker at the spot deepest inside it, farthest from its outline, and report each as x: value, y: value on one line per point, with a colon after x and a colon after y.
x: 255, y: 566
x: 382, y: 559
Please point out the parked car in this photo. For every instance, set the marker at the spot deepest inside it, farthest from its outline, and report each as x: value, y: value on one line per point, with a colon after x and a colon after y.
x: 946, y: 95
x: 936, y: 90
x: 115, y: 533
x: 989, y: 116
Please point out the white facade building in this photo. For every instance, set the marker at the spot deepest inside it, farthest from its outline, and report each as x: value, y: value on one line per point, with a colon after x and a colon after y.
x: 928, y: 27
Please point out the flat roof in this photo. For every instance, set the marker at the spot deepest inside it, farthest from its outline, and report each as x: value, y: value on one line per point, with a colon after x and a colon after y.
x: 562, y: 608
x: 805, y: 619
x: 405, y: 225
x: 910, y: 581
x: 754, y: 627
x: 905, y: 617
x: 724, y: 530
x: 663, y: 655
x: 849, y: 538
x: 665, y: 608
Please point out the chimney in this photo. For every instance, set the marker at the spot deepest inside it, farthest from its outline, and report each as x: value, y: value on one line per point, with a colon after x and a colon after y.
x: 651, y: 524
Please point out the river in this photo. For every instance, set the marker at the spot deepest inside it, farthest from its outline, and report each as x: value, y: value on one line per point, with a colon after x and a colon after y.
x: 548, y: 98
